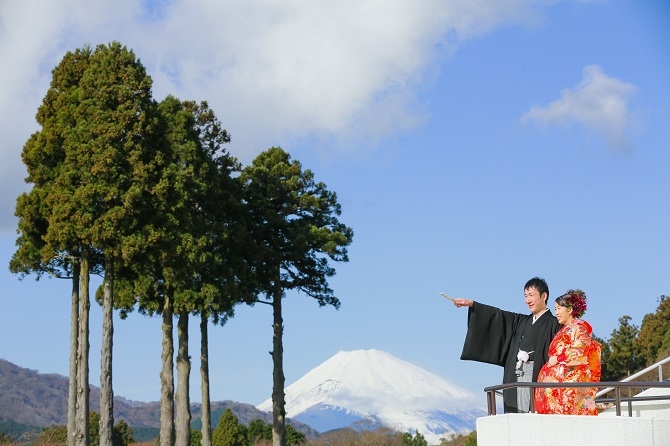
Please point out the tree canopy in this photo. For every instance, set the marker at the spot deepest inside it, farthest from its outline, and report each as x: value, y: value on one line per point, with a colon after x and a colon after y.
x: 654, y: 335
x: 630, y: 348
x: 295, y: 227
x: 144, y: 193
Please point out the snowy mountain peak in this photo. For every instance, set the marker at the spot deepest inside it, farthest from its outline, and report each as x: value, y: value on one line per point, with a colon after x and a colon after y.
x: 371, y: 381
x: 375, y: 385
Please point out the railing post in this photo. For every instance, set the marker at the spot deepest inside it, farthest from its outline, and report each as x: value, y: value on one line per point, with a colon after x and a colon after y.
x: 660, y: 373
x: 617, y: 398
x: 491, y: 402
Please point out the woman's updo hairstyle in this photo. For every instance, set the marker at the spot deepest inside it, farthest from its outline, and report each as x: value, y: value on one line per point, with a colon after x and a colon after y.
x: 575, y: 300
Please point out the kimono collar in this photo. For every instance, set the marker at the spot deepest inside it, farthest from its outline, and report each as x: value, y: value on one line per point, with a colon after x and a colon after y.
x: 536, y: 317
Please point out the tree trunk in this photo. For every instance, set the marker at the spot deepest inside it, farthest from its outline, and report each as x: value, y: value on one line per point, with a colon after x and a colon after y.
x: 167, y: 376
x: 106, y: 392
x: 81, y: 430
x: 183, y: 424
x: 278, y: 403
x: 206, y: 416
x: 74, y: 337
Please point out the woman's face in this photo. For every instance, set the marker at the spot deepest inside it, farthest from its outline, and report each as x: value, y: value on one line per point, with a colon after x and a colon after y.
x: 563, y: 314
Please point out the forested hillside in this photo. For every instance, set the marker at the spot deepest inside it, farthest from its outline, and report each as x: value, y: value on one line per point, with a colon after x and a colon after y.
x: 37, y: 399
x: 31, y: 398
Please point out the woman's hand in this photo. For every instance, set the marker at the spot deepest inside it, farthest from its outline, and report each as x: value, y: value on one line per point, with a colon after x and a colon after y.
x: 552, y: 361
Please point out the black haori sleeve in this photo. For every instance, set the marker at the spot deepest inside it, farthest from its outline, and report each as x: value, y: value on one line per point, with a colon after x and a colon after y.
x: 493, y: 337
x: 490, y: 334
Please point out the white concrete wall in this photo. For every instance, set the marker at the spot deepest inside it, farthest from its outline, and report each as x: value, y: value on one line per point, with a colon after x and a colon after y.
x: 562, y: 430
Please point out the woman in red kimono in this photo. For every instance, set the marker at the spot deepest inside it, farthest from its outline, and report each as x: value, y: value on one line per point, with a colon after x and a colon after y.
x: 574, y: 356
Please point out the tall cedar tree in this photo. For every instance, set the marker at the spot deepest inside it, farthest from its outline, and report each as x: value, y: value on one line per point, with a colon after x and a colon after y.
x: 221, y: 270
x: 188, y: 268
x: 164, y: 270
x: 44, y: 155
x: 118, y: 164
x: 196, y: 173
x: 88, y: 167
x: 295, y: 230
x: 218, y: 273
x: 93, y: 120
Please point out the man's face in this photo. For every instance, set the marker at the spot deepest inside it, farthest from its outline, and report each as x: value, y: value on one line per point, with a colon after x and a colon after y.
x: 536, y: 302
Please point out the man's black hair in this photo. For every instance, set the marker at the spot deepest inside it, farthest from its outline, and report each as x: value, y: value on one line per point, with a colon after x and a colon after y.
x: 540, y: 285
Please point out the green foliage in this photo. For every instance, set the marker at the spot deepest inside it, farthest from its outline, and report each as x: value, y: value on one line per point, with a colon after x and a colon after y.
x: 630, y: 349
x: 111, y: 161
x: 294, y: 226
x: 654, y: 336
x: 416, y: 440
x: 258, y: 430
x: 93, y: 165
x: 293, y: 437
x: 93, y: 429
x: 606, y: 374
x: 51, y: 436
x: 229, y: 432
x: 196, y: 437
x: 195, y: 253
x: 469, y: 439
x: 123, y: 434
x: 90, y: 163
x: 39, y: 250
x: 294, y: 230
x: 370, y: 434
x: 624, y: 357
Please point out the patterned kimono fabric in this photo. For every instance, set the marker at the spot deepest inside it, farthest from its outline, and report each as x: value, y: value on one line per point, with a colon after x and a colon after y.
x: 578, y: 361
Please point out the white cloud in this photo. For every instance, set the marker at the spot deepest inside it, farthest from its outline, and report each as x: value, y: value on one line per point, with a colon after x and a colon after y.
x: 272, y: 70
x: 600, y: 103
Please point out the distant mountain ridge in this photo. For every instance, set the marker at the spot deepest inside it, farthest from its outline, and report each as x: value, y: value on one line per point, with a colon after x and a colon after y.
x: 36, y: 399
x: 374, y: 387
x: 368, y: 388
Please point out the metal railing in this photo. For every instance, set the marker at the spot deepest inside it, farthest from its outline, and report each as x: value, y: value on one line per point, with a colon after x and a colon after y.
x: 658, y: 365
x: 613, y: 385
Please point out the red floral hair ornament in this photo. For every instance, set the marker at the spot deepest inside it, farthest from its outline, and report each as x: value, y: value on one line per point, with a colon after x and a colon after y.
x: 576, y: 300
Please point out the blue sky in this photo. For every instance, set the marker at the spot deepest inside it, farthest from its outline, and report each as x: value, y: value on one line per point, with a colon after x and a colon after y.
x: 472, y: 145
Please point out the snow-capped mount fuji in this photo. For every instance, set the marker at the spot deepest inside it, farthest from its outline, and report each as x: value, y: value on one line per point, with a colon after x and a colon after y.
x: 376, y: 386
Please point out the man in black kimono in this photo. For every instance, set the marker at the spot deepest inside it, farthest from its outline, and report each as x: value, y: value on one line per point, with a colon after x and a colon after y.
x: 517, y: 342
